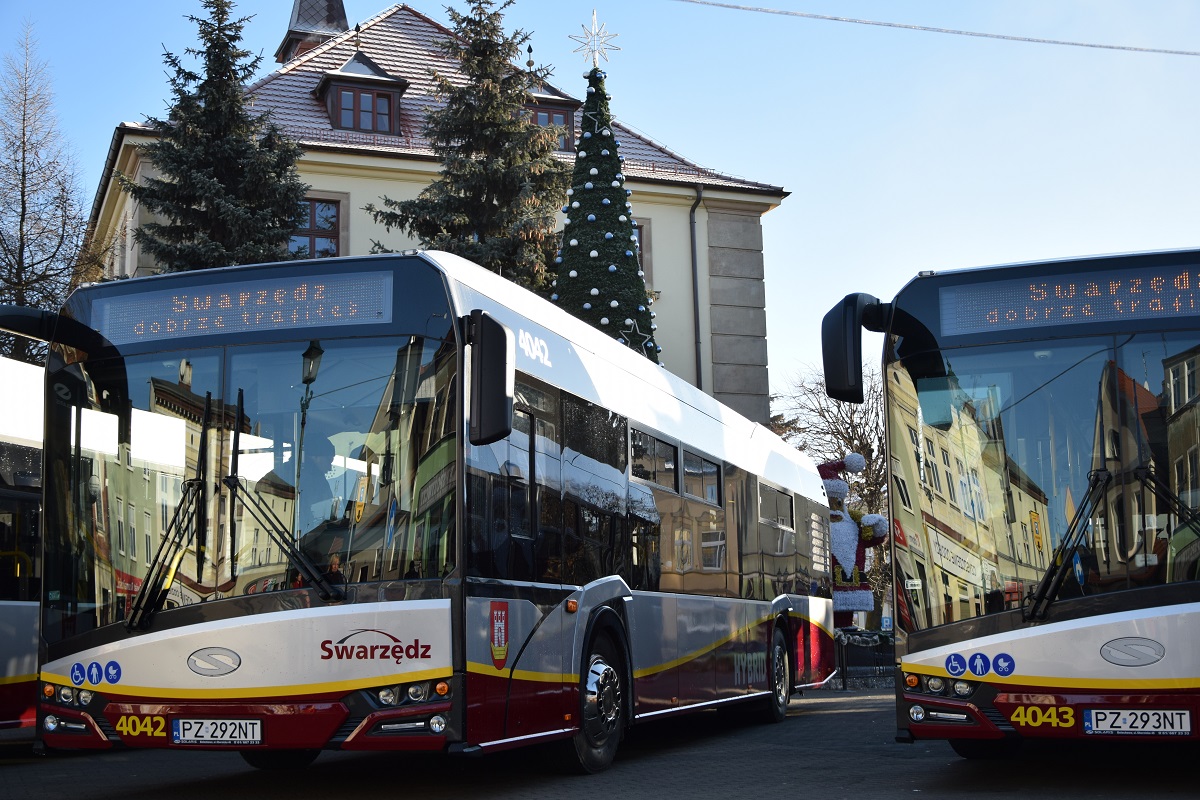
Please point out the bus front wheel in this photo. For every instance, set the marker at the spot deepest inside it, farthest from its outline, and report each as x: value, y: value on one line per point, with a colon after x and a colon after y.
x: 602, y: 708
x: 777, y: 666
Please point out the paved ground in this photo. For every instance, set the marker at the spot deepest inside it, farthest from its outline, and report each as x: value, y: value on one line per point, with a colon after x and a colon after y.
x: 833, y: 745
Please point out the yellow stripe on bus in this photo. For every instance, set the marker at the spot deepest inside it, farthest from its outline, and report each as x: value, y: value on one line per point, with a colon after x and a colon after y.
x: 645, y: 672
x: 18, y: 678
x: 1054, y: 682
x: 490, y: 671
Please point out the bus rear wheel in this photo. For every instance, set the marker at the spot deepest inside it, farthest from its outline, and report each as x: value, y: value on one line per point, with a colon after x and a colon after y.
x: 280, y: 759
x: 602, y: 706
x: 777, y: 674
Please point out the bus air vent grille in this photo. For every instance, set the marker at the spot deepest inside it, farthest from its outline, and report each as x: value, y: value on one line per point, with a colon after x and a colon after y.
x: 106, y: 728
x: 997, y: 718
x: 346, y: 729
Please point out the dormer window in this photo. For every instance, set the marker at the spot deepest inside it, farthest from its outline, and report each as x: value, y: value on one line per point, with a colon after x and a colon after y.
x: 361, y: 96
x: 550, y: 107
x: 366, y: 110
x: 546, y: 116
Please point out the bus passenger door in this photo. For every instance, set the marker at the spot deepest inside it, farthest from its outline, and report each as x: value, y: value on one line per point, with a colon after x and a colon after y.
x: 514, y: 597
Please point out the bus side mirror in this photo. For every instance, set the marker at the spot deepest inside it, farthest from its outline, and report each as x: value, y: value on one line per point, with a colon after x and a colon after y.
x: 493, y: 378
x: 841, y: 344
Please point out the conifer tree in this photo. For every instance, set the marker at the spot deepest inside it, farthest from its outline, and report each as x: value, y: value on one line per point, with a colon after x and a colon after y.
x: 500, y: 185
x: 600, y: 279
x: 229, y: 191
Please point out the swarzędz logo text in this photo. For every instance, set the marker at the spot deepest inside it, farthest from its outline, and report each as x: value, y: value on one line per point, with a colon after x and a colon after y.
x: 392, y: 649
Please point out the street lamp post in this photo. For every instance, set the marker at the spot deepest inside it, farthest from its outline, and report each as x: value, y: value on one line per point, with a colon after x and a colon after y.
x: 308, y: 374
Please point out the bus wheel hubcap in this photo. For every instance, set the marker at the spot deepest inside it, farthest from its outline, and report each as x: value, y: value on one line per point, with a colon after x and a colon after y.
x: 601, y: 700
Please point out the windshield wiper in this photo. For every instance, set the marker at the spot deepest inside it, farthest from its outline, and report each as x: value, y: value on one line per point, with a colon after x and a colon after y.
x: 186, y: 520
x: 1182, y: 511
x: 1056, y: 573
x: 265, y: 516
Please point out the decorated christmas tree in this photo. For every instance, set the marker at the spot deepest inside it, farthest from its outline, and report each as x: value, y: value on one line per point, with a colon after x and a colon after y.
x: 599, y: 274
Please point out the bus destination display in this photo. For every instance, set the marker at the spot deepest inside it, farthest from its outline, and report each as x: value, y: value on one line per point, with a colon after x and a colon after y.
x: 276, y: 304
x: 1125, y: 295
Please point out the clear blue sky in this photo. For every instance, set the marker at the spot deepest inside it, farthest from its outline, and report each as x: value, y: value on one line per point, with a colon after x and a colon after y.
x: 903, y: 150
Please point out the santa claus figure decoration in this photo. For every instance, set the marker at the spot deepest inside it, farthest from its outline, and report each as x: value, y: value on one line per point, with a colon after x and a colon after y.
x: 851, y: 534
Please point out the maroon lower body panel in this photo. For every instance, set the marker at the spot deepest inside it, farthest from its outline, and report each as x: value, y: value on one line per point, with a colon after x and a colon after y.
x: 1037, y: 712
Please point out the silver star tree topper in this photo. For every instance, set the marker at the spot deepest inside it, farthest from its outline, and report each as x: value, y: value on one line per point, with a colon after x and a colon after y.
x: 594, y: 42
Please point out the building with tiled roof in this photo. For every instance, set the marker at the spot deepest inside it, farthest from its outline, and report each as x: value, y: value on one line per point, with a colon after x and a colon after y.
x: 355, y: 99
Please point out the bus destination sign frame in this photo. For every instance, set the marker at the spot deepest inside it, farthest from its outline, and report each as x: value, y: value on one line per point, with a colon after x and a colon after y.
x: 1140, y: 293
x: 290, y: 302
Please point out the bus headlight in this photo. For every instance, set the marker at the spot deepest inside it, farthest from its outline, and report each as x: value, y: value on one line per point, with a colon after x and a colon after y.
x: 963, y: 688
x: 437, y: 723
x: 418, y: 692
x: 387, y: 695
x: 50, y: 723
x: 66, y: 695
x: 85, y: 697
x: 916, y: 713
x: 935, y: 684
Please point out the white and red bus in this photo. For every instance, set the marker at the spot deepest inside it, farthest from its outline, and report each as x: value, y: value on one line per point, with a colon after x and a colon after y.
x: 399, y: 503
x: 20, y: 541
x: 1043, y: 430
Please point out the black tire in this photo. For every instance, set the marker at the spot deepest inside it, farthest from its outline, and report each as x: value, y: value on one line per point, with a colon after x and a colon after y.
x: 778, y: 678
x: 602, y: 689
x: 280, y: 759
x: 986, y: 749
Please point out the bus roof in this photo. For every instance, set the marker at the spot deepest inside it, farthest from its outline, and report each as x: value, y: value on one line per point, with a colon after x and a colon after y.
x: 614, y: 376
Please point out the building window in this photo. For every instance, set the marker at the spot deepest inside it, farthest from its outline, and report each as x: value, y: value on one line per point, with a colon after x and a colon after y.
x: 132, y: 534
x: 365, y: 110
x: 977, y: 497
x: 549, y: 117
x: 902, y: 491
x: 964, y: 489
x: 120, y: 525
x: 319, y: 235
x: 712, y: 549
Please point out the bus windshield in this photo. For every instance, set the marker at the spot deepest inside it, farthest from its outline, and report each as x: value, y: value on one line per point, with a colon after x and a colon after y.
x: 336, y: 437
x: 1072, y: 460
